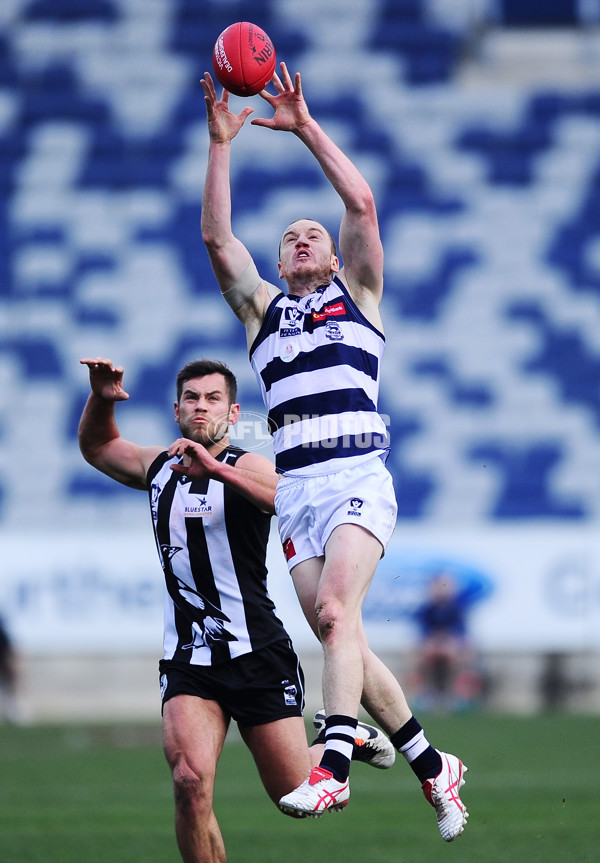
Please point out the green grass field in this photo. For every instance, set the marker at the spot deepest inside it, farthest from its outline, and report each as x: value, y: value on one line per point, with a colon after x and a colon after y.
x: 97, y: 794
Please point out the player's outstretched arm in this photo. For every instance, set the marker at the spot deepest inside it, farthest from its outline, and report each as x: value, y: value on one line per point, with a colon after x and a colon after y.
x: 360, y: 242
x: 231, y: 261
x: 99, y: 439
x: 253, y: 476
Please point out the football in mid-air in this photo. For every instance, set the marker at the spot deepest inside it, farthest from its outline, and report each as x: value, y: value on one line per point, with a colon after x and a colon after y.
x: 244, y: 59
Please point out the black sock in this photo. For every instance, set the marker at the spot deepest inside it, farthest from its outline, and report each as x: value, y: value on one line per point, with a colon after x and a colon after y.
x: 422, y: 758
x: 340, y: 732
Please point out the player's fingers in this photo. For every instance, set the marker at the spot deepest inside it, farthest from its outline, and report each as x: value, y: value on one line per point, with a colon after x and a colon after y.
x: 181, y: 446
x: 174, y: 449
x: 96, y: 361
x: 262, y: 121
x: 276, y: 81
x: 285, y: 76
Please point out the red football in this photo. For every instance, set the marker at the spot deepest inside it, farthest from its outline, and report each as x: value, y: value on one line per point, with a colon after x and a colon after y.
x: 244, y: 59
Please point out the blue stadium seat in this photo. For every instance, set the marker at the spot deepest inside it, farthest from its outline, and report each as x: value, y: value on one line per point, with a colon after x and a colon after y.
x: 525, y: 473
x: 37, y: 356
x: 71, y: 10
x: 563, y: 355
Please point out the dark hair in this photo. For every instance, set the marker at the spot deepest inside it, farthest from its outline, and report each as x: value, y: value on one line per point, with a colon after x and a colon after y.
x: 308, y: 219
x: 203, y: 367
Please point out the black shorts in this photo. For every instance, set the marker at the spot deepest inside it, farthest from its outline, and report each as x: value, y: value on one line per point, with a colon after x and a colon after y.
x: 256, y: 688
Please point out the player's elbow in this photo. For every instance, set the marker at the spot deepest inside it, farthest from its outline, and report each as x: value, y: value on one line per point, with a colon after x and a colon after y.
x: 90, y: 453
x: 215, y: 234
x: 92, y: 449
x: 363, y: 201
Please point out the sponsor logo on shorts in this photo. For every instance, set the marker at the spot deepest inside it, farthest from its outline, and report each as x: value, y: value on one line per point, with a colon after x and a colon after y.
x: 355, y: 506
x: 288, y: 549
x: 163, y: 685
x: 290, y: 694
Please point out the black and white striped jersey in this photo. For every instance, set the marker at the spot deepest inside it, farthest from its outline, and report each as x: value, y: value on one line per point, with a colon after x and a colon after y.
x: 212, y: 545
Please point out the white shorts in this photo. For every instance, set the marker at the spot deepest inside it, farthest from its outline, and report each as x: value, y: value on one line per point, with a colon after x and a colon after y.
x: 310, y: 508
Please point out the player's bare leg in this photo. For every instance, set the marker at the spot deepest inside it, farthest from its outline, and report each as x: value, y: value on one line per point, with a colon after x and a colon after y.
x: 280, y: 751
x: 384, y: 700
x: 351, y: 556
x: 194, y: 731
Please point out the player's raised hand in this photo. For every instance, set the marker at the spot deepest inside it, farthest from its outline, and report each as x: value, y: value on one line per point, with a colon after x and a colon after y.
x: 223, y: 124
x: 106, y: 380
x: 197, y: 462
x: 291, y: 110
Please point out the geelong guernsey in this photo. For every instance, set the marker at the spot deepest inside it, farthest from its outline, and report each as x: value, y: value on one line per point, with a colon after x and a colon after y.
x: 212, y: 546
x: 317, y: 360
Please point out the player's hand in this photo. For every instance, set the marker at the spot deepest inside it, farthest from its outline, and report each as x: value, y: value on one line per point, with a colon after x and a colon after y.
x: 197, y: 462
x: 106, y: 380
x: 223, y: 125
x: 291, y: 110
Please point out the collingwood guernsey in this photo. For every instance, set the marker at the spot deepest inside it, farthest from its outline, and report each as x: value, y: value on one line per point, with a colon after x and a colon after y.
x: 317, y: 360
x: 211, y: 543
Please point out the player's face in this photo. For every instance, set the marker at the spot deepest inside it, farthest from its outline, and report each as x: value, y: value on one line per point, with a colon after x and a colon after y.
x: 204, y: 412
x: 305, y: 251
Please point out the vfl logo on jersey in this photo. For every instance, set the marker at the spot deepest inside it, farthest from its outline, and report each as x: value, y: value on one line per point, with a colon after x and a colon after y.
x: 330, y: 311
x: 333, y: 331
x: 355, y: 506
x: 198, y: 510
x: 292, y: 316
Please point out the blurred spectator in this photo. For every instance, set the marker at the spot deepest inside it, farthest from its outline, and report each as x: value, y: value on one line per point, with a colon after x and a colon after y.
x: 9, y: 711
x: 448, y: 674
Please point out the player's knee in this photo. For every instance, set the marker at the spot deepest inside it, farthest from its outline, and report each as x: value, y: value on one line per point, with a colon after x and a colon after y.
x: 191, y: 792
x: 332, y: 620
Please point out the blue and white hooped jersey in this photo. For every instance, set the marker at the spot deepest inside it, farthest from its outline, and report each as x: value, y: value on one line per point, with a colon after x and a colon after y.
x: 317, y: 360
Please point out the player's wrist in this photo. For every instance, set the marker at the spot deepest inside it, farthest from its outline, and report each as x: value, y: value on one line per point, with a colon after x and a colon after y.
x: 304, y: 127
x: 103, y: 399
x: 220, y: 142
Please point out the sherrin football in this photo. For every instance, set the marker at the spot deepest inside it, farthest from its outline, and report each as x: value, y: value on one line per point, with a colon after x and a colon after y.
x: 244, y: 59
